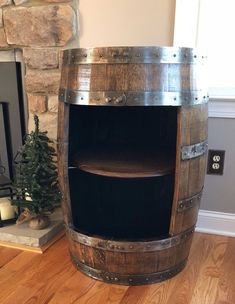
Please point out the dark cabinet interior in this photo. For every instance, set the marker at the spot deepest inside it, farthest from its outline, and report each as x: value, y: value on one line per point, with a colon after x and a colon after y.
x: 121, y: 170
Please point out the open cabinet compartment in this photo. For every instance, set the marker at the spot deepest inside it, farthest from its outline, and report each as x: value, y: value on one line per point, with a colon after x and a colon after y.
x: 121, y: 170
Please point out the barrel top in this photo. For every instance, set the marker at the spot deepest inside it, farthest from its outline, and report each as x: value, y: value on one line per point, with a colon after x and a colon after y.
x: 148, y: 76
x: 132, y: 54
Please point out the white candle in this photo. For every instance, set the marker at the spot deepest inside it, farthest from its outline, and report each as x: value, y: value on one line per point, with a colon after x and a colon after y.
x: 27, y: 197
x: 7, y: 211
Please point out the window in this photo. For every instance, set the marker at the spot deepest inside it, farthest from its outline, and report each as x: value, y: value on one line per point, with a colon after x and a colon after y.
x: 216, y: 25
x: 209, y: 25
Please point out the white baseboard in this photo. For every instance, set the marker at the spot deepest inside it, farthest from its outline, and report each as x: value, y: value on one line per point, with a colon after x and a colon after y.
x: 216, y: 223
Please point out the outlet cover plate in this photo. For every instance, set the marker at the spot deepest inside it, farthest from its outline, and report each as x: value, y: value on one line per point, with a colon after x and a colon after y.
x: 215, y: 164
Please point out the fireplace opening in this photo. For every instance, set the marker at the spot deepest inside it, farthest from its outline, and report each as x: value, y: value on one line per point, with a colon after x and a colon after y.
x: 121, y: 170
x: 12, y: 109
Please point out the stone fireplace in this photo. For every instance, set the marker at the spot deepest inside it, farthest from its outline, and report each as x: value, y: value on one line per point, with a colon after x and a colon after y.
x: 40, y: 30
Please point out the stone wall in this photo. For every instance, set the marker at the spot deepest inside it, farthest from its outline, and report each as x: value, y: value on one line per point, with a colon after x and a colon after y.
x: 41, y: 29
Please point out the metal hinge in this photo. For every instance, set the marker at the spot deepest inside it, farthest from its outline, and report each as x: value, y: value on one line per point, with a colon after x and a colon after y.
x: 192, y: 151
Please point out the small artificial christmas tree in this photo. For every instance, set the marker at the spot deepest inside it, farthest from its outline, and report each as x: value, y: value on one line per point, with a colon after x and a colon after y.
x: 36, y: 186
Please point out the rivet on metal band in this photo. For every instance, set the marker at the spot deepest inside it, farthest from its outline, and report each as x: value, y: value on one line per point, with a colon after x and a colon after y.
x: 192, y: 151
x: 189, y: 202
x: 126, y: 279
x: 115, y: 98
x: 128, y: 246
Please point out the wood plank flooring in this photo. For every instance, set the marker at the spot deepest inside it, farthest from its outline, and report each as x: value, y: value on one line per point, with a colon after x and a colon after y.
x: 50, y: 278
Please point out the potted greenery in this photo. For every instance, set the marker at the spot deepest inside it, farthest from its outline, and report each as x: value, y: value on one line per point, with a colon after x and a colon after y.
x: 36, y: 184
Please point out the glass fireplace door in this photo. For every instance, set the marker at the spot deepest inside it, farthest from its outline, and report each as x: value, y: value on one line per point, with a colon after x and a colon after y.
x: 12, y: 108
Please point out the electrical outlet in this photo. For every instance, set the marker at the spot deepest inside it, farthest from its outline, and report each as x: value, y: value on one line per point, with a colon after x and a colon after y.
x: 215, y: 164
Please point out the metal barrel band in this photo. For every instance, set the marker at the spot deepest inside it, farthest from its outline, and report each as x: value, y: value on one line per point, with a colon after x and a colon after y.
x: 129, y: 246
x: 125, y: 279
x: 140, y: 55
x: 189, y: 202
x: 131, y: 98
x: 193, y: 151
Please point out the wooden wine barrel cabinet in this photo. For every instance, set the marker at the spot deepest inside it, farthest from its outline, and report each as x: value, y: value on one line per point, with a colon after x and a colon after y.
x: 132, y: 142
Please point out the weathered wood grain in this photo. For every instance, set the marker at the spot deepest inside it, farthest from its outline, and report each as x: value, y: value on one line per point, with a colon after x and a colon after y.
x: 190, y: 174
x: 129, y: 77
x: 62, y: 160
x: 129, y: 263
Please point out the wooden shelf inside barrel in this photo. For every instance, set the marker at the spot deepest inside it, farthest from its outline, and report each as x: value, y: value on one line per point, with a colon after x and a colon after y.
x: 125, y: 163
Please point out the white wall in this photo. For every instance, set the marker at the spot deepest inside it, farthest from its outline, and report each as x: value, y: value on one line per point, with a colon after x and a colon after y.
x: 126, y: 22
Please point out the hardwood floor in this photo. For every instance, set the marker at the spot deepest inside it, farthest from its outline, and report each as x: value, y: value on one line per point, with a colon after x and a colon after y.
x: 29, y: 278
